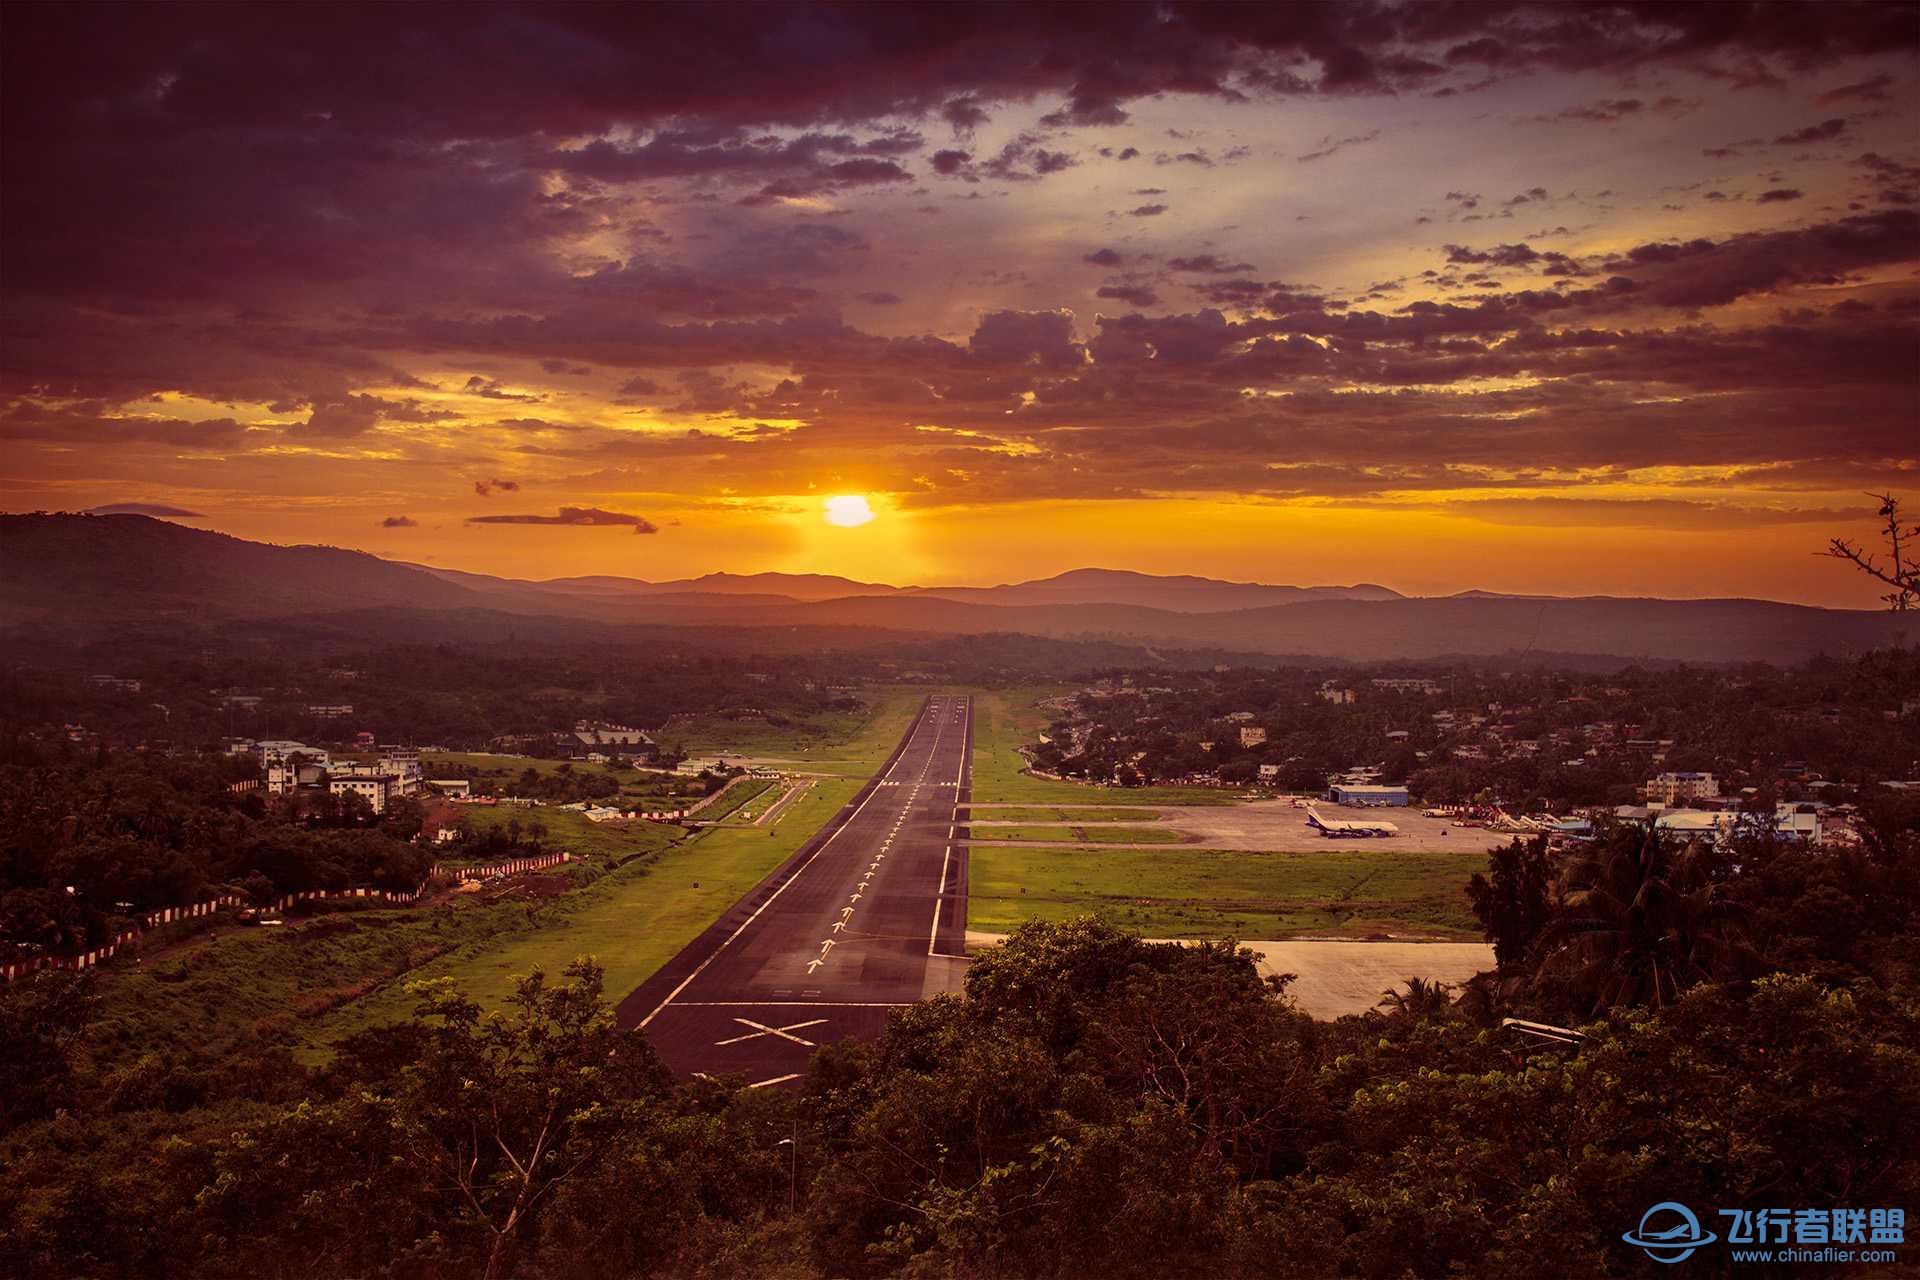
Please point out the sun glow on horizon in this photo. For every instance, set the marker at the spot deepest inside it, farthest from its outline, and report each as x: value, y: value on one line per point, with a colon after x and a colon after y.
x: 849, y: 510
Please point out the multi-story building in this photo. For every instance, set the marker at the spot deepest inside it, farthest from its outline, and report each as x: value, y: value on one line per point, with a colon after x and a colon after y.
x: 1681, y: 789
x: 374, y: 789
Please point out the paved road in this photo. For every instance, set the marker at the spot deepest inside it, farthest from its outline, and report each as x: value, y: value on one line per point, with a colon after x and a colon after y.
x: 867, y: 916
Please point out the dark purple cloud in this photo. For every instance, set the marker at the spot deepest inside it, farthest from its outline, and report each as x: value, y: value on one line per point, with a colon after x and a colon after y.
x: 1133, y: 294
x: 157, y: 510
x: 581, y: 517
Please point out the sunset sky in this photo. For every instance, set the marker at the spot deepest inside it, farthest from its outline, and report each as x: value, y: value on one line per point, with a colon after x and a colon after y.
x: 1440, y: 296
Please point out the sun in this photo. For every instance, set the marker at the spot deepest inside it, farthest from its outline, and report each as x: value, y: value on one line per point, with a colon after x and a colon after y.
x: 849, y: 510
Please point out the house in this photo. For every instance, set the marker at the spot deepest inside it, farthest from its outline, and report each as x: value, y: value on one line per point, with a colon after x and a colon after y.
x: 329, y: 710
x: 1336, y: 696
x: 1252, y: 735
x: 119, y: 684
x: 457, y: 787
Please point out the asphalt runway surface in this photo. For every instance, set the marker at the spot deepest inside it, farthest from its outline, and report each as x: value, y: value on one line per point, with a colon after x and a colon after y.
x: 867, y: 916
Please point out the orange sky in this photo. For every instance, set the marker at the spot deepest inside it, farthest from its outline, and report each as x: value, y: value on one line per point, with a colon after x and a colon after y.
x: 1630, y: 308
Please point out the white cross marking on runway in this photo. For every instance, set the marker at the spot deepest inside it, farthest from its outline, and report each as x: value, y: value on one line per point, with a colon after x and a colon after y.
x: 761, y: 1029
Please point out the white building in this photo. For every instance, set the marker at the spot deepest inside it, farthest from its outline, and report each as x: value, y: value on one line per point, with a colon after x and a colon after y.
x: 375, y: 789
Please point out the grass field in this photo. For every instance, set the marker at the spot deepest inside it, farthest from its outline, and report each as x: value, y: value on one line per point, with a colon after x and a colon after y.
x: 736, y: 798
x: 1003, y: 721
x: 1074, y: 834
x: 1197, y: 893
x: 460, y: 764
x: 569, y: 829
x: 1048, y: 815
x: 275, y: 986
x: 847, y: 743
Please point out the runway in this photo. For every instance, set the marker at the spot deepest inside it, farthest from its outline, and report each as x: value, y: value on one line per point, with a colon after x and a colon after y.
x: 867, y: 916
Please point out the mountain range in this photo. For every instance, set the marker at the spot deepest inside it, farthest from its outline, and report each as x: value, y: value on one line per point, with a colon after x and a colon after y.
x: 68, y: 571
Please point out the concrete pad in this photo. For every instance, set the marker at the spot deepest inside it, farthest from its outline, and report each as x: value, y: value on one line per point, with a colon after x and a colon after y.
x: 1333, y: 979
x: 1281, y: 827
x: 1338, y: 978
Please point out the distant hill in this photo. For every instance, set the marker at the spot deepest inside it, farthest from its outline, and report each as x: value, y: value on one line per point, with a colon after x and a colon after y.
x: 767, y: 586
x: 1180, y: 594
x: 74, y: 570
x: 76, y: 567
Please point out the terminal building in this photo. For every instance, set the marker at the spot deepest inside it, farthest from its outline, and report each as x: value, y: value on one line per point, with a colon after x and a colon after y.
x: 1369, y: 794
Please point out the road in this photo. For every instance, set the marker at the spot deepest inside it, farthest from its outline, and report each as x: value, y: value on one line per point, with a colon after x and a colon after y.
x: 868, y: 915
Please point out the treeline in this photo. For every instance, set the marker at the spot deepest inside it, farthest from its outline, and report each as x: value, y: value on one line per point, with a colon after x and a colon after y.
x: 459, y: 695
x: 88, y: 839
x: 1850, y: 721
x: 1096, y: 1105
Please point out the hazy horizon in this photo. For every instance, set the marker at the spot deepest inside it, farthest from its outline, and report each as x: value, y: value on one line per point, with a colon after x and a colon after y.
x: 537, y: 576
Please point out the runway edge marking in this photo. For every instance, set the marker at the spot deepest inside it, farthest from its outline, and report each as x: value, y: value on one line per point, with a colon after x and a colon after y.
x: 872, y: 789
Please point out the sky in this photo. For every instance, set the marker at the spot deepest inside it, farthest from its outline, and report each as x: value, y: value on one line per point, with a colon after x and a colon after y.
x: 1582, y: 299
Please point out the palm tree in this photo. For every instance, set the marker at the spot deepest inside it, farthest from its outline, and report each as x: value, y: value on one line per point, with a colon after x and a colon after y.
x: 1420, y: 1001
x: 1639, y: 920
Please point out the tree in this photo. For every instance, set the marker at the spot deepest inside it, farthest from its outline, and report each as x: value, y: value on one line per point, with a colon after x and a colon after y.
x: 1898, y: 571
x: 1511, y: 900
x: 1639, y: 920
x: 42, y: 1020
x: 1206, y: 1037
x: 1417, y: 1001
x: 498, y: 1105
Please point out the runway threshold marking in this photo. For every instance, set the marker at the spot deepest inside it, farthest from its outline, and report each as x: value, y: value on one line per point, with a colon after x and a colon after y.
x: 793, y: 1004
x: 762, y: 1029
